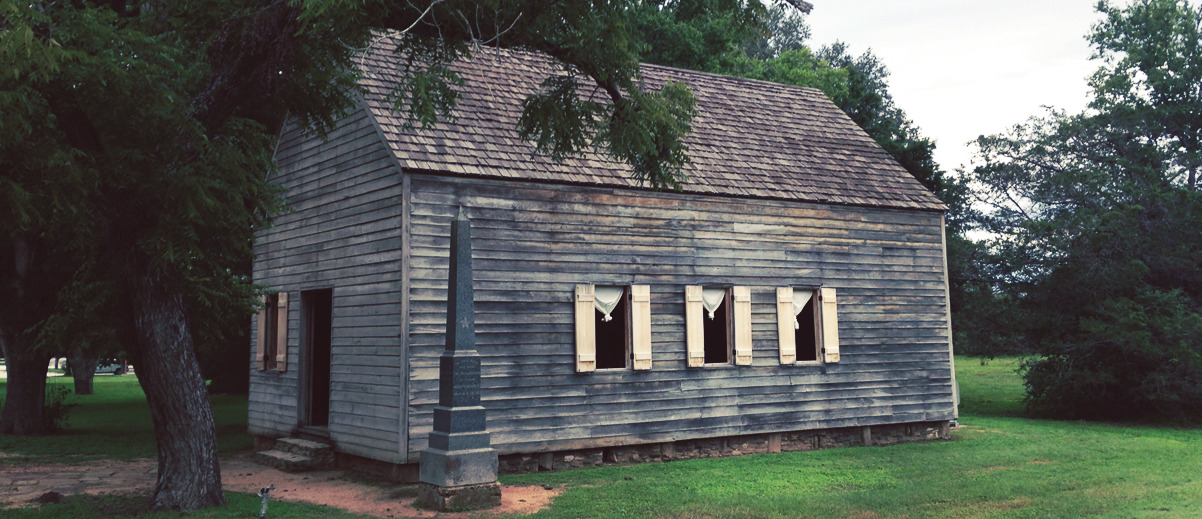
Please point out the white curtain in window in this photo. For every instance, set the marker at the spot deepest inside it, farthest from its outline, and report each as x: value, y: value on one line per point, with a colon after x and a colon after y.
x: 712, y: 298
x: 800, y: 298
x: 606, y: 299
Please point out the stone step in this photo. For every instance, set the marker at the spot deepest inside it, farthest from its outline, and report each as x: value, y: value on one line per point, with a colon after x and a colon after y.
x: 286, y: 461
x: 320, y: 453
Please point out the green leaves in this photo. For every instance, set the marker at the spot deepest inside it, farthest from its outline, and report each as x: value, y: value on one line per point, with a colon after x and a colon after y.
x: 645, y: 129
x: 648, y: 132
x: 1152, y: 52
x: 800, y: 67
x: 426, y: 91
x: 1136, y: 357
x: 697, y: 34
x: 22, y: 52
x: 1094, y: 220
x: 427, y: 95
x: 556, y: 120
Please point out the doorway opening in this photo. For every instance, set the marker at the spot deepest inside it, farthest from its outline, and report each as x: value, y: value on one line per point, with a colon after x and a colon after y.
x: 318, y: 316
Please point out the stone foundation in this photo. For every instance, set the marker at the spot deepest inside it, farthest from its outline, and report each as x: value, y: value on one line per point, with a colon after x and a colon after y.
x: 453, y: 499
x: 680, y: 450
x: 263, y: 443
x: 727, y: 446
x: 395, y: 472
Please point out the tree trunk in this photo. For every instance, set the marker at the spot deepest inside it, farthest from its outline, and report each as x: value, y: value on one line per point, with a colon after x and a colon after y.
x: 23, y: 303
x: 25, y: 400
x: 83, y: 370
x: 189, y: 473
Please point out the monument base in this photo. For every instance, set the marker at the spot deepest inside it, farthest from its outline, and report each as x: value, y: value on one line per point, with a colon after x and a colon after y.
x: 457, y: 468
x: 452, y: 499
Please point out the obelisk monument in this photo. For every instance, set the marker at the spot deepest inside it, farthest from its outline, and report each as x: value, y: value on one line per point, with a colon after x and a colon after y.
x: 459, y: 469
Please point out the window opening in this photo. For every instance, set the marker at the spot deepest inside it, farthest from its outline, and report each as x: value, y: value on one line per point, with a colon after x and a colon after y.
x: 805, y: 325
x: 272, y: 314
x: 716, y: 325
x: 612, y: 326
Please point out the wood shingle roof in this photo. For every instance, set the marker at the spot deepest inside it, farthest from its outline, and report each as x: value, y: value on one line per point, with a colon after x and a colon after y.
x: 750, y: 138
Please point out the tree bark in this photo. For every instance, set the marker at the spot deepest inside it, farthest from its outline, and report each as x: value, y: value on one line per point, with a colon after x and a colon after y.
x: 23, y: 301
x: 83, y: 370
x: 247, y: 56
x: 189, y: 473
x: 25, y: 400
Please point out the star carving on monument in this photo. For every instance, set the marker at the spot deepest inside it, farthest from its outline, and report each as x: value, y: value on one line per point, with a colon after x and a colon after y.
x: 463, y: 323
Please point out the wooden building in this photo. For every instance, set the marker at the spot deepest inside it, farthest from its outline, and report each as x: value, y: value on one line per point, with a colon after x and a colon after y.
x: 794, y: 288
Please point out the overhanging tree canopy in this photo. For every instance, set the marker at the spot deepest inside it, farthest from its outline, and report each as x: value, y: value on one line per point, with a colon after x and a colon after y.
x: 136, y: 138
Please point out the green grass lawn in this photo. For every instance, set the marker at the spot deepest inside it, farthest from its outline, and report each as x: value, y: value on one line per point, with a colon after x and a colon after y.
x: 999, y: 465
x: 114, y: 423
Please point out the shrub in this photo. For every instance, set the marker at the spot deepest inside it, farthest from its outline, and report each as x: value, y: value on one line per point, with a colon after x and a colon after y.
x: 57, y: 408
x: 1128, y: 358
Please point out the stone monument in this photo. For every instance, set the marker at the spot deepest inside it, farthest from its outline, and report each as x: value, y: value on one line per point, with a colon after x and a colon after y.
x: 459, y: 469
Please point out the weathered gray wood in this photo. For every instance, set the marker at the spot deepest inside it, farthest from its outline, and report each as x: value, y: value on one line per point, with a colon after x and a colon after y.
x: 383, y: 246
x: 514, y: 196
x: 403, y: 449
x: 341, y: 234
x: 951, y: 353
x: 534, y: 240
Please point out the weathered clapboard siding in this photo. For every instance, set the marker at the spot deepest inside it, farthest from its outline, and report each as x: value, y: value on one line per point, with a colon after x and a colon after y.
x: 342, y: 232
x: 532, y: 243
x: 786, y: 201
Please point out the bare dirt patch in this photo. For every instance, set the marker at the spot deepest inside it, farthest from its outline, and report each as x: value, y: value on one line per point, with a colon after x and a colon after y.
x: 364, y: 495
x: 21, y: 486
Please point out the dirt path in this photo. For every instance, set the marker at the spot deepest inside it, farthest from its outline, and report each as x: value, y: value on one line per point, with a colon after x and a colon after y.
x: 22, y: 485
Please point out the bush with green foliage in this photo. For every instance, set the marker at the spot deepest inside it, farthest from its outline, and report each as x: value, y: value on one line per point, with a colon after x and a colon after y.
x: 57, y: 408
x: 1129, y: 358
x: 1096, y: 259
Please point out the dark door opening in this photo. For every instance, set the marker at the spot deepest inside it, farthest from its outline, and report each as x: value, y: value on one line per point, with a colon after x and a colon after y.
x: 319, y: 311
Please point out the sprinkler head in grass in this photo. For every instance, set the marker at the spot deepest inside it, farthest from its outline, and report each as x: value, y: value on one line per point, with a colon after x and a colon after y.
x: 263, y: 504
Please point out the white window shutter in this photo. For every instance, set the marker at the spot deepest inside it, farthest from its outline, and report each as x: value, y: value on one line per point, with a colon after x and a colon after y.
x: 784, y: 325
x: 640, y: 325
x: 694, y: 332
x: 281, y: 345
x: 830, y: 324
x: 742, y: 318
x: 586, y: 333
x: 261, y: 337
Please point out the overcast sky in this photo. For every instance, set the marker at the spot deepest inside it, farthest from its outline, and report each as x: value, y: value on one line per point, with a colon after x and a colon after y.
x: 965, y: 68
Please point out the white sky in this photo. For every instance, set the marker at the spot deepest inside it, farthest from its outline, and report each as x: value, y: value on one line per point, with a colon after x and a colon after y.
x: 965, y: 68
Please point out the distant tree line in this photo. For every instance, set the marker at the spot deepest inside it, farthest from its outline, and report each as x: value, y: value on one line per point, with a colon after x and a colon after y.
x: 1094, y: 256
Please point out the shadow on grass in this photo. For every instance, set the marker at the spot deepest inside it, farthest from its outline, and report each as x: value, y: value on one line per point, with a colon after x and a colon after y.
x: 135, y: 505
x: 114, y: 423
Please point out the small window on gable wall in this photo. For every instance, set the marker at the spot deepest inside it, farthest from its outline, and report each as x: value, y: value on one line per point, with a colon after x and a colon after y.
x: 613, y: 327
x: 271, y: 343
